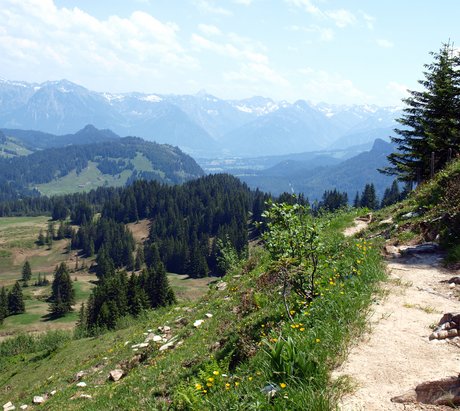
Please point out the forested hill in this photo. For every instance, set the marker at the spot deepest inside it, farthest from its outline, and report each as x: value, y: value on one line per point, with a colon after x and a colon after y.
x: 83, y: 167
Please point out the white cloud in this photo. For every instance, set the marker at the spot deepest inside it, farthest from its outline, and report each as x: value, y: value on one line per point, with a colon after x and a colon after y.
x: 368, y: 19
x: 321, y: 85
x: 386, y: 44
x: 243, y: 2
x: 208, y: 6
x: 342, y: 18
x: 325, y: 34
x: 307, y: 5
x: 256, y: 73
x: 60, y: 40
x: 209, y: 30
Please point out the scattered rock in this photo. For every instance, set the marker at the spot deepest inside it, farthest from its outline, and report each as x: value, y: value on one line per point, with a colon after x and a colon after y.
x: 441, y: 392
x: 126, y: 343
x: 392, y: 250
x: 164, y: 329
x: 452, y: 285
x: 116, y: 374
x: 411, y: 214
x: 8, y: 406
x: 87, y: 396
x: 209, y: 315
x: 197, y: 323
x: 143, y: 345
x: 38, y: 399
x: 79, y: 375
x: 24, y: 407
x: 167, y: 346
x: 181, y: 321
x: 425, y: 248
x: 453, y: 280
x: 81, y: 384
x: 53, y: 392
x: 448, y: 327
x: 135, y: 349
x: 221, y: 285
x: 150, y: 330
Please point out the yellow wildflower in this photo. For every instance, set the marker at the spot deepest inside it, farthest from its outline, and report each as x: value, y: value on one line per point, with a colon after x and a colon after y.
x: 283, y: 385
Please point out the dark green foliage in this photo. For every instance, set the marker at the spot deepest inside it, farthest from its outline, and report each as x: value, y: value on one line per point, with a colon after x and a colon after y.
x: 62, y: 292
x: 431, y: 122
x: 41, y: 240
x: 117, y: 296
x: 15, y: 300
x: 140, y: 259
x: 82, y: 214
x: 3, y: 305
x: 369, y: 198
x: 185, y: 219
x: 60, y: 211
x: 392, y: 195
x: 26, y: 272
x: 333, y: 200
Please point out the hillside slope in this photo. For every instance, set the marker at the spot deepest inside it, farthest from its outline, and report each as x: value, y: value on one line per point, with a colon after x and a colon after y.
x: 75, y: 168
x: 235, y: 348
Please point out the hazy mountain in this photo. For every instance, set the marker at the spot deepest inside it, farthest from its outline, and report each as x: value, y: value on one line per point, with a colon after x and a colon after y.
x: 65, y: 168
x: 201, y: 124
x: 34, y: 139
x: 349, y: 175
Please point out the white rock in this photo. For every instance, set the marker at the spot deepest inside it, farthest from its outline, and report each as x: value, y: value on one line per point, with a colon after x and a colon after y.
x: 197, y: 323
x: 143, y: 345
x: 38, y: 399
x: 150, y: 330
x: 8, y: 406
x: 86, y: 396
x: 23, y: 407
x: 116, y: 374
x: 157, y: 338
x: 79, y: 375
x: 452, y: 285
x: 167, y: 346
x: 81, y: 384
x: 126, y: 343
x: 135, y: 349
x: 209, y: 315
x: 135, y: 346
x: 53, y: 392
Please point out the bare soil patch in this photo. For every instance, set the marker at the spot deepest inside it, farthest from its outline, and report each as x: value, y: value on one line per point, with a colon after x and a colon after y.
x: 140, y: 230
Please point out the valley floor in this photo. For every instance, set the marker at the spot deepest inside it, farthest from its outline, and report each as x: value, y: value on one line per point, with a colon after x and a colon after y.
x: 397, y: 355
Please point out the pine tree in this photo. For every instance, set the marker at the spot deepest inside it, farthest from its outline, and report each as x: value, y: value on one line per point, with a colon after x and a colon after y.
x: 139, y: 258
x: 62, y: 292
x: 369, y: 198
x: 391, y: 195
x: 431, y: 121
x: 357, y: 201
x: 26, y: 273
x: 3, y: 305
x: 16, y: 300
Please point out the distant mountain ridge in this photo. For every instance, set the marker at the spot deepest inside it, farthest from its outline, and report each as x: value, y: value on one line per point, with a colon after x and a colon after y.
x: 317, y: 174
x: 96, y: 158
x: 201, y: 124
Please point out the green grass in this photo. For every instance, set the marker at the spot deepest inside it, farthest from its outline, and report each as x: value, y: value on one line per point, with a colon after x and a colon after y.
x: 88, y: 179
x: 246, y: 317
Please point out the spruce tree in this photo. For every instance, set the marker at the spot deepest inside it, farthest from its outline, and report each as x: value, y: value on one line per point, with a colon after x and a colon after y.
x: 369, y: 198
x: 431, y: 121
x: 16, y: 300
x: 26, y: 273
x: 62, y: 292
x: 3, y: 305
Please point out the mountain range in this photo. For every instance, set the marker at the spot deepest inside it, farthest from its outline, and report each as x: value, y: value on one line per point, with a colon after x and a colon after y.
x: 200, y: 124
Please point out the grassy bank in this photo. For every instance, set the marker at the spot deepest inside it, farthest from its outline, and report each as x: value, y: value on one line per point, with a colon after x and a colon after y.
x: 246, y: 354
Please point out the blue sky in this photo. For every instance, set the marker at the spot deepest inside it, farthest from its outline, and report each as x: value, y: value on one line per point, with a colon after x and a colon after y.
x: 336, y: 51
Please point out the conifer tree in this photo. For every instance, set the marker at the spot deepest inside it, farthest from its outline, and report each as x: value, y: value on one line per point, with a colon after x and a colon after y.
x: 391, y: 195
x: 431, y: 121
x: 3, y: 305
x: 26, y: 273
x: 369, y: 198
x: 16, y: 300
x: 62, y: 292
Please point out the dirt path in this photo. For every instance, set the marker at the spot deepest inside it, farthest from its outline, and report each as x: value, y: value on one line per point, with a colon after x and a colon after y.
x: 397, y: 355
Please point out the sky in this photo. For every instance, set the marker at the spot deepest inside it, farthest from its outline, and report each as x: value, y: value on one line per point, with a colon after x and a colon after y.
x: 334, y: 51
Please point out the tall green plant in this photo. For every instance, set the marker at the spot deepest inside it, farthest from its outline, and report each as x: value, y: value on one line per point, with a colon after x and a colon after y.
x: 293, y: 240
